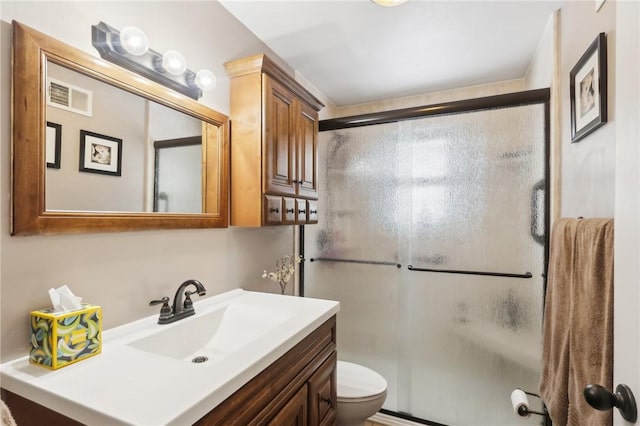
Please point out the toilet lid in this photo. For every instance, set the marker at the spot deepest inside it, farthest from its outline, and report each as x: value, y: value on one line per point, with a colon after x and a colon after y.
x: 356, y: 381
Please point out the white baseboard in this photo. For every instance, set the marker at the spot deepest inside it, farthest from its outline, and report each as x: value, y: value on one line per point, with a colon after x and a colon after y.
x: 388, y: 420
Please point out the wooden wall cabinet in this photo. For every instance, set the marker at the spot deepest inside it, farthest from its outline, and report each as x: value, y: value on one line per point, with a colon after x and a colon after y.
x: 274, y: 137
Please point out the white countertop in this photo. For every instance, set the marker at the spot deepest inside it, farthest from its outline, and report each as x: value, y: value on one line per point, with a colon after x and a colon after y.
x: 128, y: 386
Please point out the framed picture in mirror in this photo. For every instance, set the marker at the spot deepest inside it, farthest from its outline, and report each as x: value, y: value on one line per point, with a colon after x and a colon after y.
x: 100, y: 154
x: 54, y: 144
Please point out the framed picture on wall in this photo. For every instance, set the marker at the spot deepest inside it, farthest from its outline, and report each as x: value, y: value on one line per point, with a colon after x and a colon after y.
x: 100, y: 154
x: 54, y: 144
x: 588, y: 90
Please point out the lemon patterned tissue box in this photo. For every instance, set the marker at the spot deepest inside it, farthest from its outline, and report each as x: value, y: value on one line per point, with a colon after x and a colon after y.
x: 61, y: 339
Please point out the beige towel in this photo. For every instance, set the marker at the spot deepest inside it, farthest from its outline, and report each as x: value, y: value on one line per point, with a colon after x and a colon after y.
x: 5, y: 415
x: 578, y: 322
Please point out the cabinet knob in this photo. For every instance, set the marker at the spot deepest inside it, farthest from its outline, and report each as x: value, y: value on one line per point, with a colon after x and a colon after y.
x: 274, y: 210
x: 327, y: 401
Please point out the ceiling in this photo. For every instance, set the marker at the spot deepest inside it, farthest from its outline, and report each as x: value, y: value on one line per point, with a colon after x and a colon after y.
x: 355, y: 51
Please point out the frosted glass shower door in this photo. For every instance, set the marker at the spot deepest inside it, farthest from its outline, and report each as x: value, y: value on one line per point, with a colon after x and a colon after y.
x: 355, y: 248
x: 450, y: 194
x: 476, y: 206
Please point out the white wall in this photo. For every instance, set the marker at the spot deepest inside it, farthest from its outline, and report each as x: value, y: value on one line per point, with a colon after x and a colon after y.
x: 582, y: 173
x: 498, y: 88
x: 543, y: 72
x: 588, y: 166
x: 627, y: 208
x: 123, y: 271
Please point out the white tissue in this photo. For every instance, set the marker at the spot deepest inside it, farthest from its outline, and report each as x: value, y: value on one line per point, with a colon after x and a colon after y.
x: 63, y: 299
x: 519, y: 399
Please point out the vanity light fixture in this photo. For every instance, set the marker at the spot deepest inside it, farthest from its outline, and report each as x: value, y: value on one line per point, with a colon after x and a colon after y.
x: 129, y: 48
x: 388, y: 3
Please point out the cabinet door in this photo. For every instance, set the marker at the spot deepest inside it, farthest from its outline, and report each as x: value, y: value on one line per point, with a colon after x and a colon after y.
x: 279, y: 144
x: 323, y: 398
x: 307, y: 145
x: 294, y: 413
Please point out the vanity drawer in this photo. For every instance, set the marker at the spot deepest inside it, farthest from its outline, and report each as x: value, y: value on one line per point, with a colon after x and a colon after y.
x: 289, y: 212
x: 312, y: 211
x: 272, y: 210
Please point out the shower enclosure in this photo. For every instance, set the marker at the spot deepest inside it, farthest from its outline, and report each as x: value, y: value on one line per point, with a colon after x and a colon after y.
x: 433, y: 238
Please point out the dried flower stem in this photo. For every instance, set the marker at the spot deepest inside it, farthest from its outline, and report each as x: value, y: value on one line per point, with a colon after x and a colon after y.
x: 285, y: 267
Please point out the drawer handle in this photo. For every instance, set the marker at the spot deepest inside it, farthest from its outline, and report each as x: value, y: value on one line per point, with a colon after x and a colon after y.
x: 313, y: 211
x: 327, y: 401
x: 274, y: 210
x: 302, y: 211
x: 290, y: 211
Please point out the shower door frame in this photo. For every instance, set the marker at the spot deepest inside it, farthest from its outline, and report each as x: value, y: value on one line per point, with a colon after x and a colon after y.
x: 509, y: 100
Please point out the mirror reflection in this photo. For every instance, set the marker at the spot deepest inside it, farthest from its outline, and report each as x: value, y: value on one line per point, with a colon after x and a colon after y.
x: 178, y: 175
x: 112, y: 151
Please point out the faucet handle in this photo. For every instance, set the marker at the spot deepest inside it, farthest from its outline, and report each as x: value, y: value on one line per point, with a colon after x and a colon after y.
x: 165, y: 310
x: 188, y: 303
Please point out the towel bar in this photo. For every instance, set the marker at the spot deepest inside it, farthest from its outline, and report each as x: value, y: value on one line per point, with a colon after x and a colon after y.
x: 367, y: 262
x: 455, y: 271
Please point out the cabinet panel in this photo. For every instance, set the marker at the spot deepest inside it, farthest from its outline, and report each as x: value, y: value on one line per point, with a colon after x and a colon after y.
x: 307, y: 161
x: 323, y: 394
x: 294, y: 413
x: 280, y: 138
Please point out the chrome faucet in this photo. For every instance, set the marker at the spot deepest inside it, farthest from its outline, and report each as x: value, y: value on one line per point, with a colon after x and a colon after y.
x: 180, y: 309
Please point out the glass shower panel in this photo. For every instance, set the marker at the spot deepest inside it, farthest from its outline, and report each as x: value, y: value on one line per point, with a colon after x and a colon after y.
x: 359, y: 223
x: 457, y: 192
x: 475, y: 337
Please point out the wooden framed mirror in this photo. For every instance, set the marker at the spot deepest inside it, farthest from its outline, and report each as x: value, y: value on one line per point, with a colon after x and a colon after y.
x: 83, y: 144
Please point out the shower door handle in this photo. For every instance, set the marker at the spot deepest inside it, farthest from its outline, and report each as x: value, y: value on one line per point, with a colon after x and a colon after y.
x: 537, y: 234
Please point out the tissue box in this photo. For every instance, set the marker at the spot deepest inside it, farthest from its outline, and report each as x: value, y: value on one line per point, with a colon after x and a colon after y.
x: 61, y: 339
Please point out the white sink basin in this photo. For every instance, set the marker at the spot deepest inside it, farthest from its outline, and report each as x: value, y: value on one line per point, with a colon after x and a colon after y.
x: 145, y: 377
x: 212, y: 335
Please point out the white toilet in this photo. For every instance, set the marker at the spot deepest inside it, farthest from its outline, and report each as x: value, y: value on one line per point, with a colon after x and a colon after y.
x: 361, y: 393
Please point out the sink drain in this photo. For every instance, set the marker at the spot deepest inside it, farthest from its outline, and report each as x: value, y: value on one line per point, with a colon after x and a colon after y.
x: 200, y: 359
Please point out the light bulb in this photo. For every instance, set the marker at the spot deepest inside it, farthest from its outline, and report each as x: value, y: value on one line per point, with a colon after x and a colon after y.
x: 388, y: 3
x: 134, y: 41
x: 205, y: 80
x: 173, y: 62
